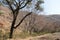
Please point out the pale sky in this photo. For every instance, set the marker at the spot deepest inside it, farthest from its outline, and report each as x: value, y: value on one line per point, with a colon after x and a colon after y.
x: 52, y: 6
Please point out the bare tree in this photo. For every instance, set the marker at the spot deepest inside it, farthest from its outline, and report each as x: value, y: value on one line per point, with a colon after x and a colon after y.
x: 15, y: 6
x: 30, y: 24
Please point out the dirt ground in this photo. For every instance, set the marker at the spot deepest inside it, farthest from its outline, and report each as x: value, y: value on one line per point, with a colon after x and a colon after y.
x: 53, y: 36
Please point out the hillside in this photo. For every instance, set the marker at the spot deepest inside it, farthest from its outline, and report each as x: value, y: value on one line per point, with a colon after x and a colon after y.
x: 33, y: 23
x: 43, y: 22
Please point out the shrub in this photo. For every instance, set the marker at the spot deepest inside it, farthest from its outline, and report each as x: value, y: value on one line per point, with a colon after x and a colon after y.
x: 3, y: 36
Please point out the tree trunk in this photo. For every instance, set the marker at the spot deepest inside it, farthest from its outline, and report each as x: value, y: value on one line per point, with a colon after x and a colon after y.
x: 13, y: 23
x: 11, y: 32
x: 12, y: 28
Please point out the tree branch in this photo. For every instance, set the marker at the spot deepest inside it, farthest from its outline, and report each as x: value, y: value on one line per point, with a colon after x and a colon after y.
x: 10, y: 5
x: 25, y: 4
x: 21, y: 3
x: 22, y: 19
x: 15, y: 3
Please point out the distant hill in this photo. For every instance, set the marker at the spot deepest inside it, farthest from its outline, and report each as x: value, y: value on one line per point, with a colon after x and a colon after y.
x: 56, y: 17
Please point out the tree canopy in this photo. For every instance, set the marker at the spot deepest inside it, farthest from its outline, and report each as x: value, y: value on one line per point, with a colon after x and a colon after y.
x: 28, y: 4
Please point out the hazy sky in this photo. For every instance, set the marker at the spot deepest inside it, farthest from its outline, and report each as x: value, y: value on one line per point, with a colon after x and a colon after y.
x: 52, y: 6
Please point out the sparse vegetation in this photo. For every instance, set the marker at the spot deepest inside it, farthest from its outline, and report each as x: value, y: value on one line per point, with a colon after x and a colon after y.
x: 20, y: 35
x: 34, y: 25
x: 38, y: 32
x: 26, y: 34
x: 4, y: 36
